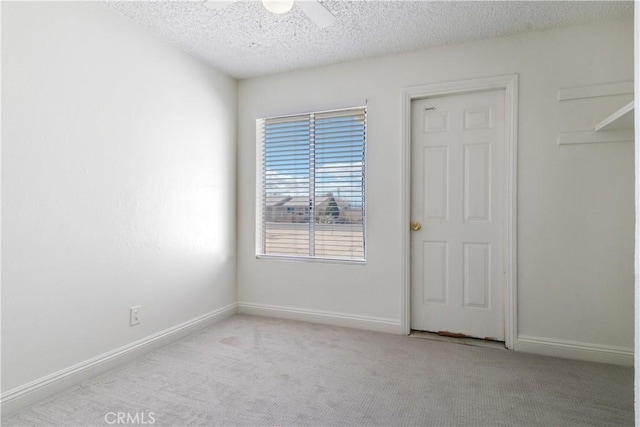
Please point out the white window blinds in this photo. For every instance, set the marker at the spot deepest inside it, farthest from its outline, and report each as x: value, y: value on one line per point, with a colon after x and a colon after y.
x: 312, y: 185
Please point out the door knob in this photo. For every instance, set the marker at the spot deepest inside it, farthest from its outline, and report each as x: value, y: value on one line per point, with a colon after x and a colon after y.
x: 415, y: 226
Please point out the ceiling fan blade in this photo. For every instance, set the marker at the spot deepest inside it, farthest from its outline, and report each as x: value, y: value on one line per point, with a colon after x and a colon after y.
x: 217, y: 4
x: 317, y: 12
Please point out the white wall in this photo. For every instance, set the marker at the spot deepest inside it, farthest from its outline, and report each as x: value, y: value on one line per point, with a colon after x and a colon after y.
x: 118, y: 186
x: 636, y: 37
x: 575, y: 218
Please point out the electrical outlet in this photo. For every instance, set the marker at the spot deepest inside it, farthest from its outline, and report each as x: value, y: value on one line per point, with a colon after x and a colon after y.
x: 135, y: 315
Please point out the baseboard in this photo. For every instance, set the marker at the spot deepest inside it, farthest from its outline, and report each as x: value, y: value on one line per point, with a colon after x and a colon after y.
x: 575, y: 350
x: 323, y: 317
x: 41, y: 388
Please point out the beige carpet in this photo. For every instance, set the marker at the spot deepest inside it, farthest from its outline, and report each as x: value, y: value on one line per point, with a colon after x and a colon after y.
x: 258, y: 371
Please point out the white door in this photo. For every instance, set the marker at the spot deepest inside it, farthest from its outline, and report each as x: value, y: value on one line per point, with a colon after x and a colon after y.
x: 458, y: 204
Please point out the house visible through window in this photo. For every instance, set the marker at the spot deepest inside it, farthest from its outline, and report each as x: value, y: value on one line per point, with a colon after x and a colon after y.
x: 312, y: 185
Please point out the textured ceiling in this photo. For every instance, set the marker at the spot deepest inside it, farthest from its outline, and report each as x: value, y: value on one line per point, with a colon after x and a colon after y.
x: 244, y: 40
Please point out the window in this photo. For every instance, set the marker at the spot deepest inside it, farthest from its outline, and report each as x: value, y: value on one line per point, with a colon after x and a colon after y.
x: 311, y: 185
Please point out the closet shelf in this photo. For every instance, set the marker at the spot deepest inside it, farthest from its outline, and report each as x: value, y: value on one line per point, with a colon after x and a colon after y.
x: 621, y: 119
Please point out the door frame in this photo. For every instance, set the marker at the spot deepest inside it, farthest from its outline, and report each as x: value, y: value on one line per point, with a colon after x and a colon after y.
x: 510, y: 84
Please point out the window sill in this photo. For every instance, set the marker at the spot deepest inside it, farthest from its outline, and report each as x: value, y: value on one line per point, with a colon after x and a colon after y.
x: 312, y: 259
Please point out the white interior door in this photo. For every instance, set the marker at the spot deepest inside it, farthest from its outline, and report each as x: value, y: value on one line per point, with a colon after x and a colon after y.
x: 458, y: 204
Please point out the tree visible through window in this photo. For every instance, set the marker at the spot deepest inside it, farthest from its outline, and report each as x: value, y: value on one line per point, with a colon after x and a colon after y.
x: 312, y: 185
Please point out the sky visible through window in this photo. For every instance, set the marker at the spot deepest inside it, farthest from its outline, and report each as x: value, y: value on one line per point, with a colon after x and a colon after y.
x: 339, y: 149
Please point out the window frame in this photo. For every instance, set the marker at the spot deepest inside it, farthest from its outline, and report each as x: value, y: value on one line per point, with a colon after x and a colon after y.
x: 259, y: 230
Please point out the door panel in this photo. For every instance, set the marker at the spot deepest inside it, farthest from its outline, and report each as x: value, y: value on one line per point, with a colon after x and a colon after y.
x: 436, y: 188
x: 477, y: 182
x: 457, y: 194
x: 434, y: 264
x: 477, y: 275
